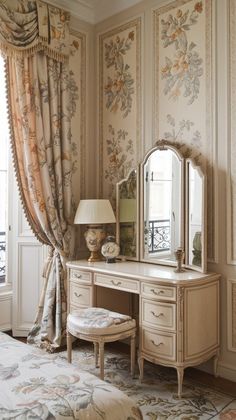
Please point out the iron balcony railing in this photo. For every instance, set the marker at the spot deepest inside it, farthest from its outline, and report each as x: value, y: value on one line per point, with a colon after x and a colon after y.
x: 157, y: 235
x: 2, y: 256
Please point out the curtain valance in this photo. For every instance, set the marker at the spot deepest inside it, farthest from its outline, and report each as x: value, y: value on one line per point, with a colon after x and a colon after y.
x: 27, y: 26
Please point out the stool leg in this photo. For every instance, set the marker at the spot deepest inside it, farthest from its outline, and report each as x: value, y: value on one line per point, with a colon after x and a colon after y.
x: 96, y: 353
x: 140, y: 364
x: 69, y: 346
x: 101, y: 353
x: 132, y: 354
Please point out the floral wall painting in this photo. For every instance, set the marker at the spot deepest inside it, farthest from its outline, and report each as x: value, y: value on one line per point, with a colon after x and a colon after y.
x: 183, y: 78
x: 77, y: 81
x: 120, y: 153
x: 119, y: 110
x: 119, y: 90
x: 182, y: 72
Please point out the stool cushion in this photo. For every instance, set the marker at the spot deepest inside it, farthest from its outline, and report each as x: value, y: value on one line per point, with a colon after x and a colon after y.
x: 99, y: 321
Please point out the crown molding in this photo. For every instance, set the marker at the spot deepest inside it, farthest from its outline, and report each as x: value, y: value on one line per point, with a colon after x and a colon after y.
x: 93, y: 11
x: 80, y: 9
x: 107, y: 8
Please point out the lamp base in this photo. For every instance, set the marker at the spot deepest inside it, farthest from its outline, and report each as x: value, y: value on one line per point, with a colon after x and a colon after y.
x: 94, y: 236
x: 95, y: 256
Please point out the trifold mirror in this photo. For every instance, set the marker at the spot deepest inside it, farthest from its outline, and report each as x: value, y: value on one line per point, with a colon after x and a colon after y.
x: 167, y: 212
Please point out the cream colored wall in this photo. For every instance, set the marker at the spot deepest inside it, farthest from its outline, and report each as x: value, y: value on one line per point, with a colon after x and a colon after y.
x: 221, y: 151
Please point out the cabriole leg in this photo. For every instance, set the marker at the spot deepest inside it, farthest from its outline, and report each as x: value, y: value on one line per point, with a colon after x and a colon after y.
x: 141, y: 365
x: 180, y: 374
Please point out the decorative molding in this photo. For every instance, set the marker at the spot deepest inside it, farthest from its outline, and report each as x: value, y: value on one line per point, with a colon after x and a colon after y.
x: 227, y: 371
x: 107, y: 8
x: 231, y: 314
x: 81, y: 115
x: 27, y: 287
x: 231, y: 155
x: 5, y: 311
x: 78, y: 9
x: 93, y: 11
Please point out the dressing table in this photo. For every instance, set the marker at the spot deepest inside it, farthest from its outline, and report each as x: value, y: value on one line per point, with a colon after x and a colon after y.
x: 178, y: 312
x: 161, y: 207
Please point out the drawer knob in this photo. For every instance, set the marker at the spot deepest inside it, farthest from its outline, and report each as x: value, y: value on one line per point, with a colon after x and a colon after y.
x: 159, y: 292
x: 157, y: 315
x: 156, y: 344
x: 78, y: 276
x: 116, y: 283
x: 78, y: 296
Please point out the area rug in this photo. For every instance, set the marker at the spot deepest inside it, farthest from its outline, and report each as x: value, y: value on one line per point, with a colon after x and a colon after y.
x: 156, y: 395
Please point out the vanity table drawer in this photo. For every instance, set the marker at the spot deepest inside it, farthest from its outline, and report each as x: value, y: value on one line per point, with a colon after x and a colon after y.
x: 81, y: 276
x: 118, y: 283
x: 80, y: 295
x: 159, y: 292
x: 160, y: 315
x: 159, y: 344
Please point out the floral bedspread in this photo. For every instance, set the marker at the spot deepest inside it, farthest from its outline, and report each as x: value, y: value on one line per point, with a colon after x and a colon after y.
x: 38, y: 385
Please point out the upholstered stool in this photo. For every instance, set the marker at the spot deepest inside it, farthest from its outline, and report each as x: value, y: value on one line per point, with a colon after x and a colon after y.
x: 100, y: 326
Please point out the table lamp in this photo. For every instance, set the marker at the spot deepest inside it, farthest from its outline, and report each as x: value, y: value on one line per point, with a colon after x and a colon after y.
x: 94, y: 213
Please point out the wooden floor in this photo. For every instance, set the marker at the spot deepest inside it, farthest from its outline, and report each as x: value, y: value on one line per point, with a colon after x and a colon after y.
x: 220, y: 384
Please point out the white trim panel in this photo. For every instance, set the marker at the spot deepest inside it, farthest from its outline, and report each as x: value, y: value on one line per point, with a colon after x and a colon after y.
x: 27, y: 286
x: 5, y: 311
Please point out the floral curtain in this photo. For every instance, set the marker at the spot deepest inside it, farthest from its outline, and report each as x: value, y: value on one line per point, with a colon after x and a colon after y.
x: 34, y: 35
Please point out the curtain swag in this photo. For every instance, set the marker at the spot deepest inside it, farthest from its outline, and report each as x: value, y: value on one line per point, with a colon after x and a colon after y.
x: 27, y: 26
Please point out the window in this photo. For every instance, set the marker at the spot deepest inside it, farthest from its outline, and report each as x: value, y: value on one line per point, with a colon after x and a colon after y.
x: 4, y: 143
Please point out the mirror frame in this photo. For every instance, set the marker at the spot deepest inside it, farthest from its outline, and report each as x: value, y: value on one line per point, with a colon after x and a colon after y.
x: 184, y: 157
x: 121, y: 256
x: 203, y: 267
x: 161, y: 145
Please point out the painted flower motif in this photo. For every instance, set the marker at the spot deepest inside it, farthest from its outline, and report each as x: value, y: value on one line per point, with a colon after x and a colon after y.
x: 120, y: 157
x: 119, y: 92
x: 183, y: 71
x: 179, y: 13
x: 119, y: 88
x: 184, y: 129
x: 198, y: 7
x: 131, y: 35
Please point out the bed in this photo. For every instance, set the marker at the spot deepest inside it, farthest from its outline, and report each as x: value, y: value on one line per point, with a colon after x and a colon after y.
x: 38, y: 385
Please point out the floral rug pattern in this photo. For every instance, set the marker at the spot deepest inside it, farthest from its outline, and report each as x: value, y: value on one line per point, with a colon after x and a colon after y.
x: 156, y: 395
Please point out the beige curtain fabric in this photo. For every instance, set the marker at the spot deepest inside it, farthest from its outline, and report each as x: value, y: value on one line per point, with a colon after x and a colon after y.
x: 34, y: 36
x: 27, y: 26
x: 39, y: 97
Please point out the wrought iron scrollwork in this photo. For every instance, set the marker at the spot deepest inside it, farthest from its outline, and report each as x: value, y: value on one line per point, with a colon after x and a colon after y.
x: 157, y: 235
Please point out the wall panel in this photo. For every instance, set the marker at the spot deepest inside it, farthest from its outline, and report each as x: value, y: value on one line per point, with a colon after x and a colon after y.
x: 183, y: 86
x: 119, y: 104
x: 231, y: 196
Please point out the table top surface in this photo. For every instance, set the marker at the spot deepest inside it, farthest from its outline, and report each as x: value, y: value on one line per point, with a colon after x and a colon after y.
x: 141, y: 271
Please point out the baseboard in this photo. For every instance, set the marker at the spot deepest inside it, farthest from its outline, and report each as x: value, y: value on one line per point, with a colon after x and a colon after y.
x: 227, y: 371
